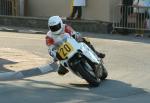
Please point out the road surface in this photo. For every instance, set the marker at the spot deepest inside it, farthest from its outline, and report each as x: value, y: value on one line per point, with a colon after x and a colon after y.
x: 127, y: 61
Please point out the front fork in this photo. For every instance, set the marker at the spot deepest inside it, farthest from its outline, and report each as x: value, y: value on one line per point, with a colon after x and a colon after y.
x: 98, y: 69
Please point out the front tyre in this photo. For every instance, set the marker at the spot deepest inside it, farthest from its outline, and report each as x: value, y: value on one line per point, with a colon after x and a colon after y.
x: 87, y: 73
x: 104, y: 72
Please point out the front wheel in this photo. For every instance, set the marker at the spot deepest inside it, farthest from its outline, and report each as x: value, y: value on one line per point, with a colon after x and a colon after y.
x: 104, y: 72
x: 87, y: 73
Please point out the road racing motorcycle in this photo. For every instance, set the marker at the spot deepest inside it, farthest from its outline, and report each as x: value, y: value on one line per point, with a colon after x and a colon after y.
x: 81, y: 60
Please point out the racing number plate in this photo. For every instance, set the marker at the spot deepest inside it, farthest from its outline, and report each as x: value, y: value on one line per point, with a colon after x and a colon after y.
x: 65, y: 49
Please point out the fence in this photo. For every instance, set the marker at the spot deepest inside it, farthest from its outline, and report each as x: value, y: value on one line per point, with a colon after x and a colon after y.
x: 131, y: 18
x: 13, y: 7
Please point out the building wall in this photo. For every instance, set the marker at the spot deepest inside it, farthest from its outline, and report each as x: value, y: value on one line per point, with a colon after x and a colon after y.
x: 94, y: 10
x: 46, y: 8
x: 97, y: 10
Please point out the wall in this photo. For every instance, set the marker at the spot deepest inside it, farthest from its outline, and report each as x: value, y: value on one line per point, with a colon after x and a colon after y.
x: 113, y: 8
x: 48, y: 7
x: 41, y: 23
x: 94, y: 10
x: 97, y: 10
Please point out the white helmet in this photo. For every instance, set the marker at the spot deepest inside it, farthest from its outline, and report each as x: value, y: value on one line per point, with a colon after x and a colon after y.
x: 55, y: 24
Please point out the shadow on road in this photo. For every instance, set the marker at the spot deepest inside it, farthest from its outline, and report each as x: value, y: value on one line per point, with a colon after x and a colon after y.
x: 113, y: 89
x: 4, y: 62
x: 34, y: 91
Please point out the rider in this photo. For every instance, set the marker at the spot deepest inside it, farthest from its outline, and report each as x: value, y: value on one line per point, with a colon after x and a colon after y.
x: 57, y: 29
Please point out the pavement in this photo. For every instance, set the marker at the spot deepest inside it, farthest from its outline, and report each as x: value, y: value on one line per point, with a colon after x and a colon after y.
x: 44, y: 31
x: 23, y: 29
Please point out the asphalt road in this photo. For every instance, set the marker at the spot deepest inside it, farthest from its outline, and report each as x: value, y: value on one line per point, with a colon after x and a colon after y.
x: 127, y: 61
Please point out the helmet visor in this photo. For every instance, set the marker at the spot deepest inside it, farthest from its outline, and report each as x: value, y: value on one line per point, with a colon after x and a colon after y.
x: 55, y: 27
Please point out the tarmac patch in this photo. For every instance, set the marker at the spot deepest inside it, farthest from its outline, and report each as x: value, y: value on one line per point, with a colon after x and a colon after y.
x: 22, y: 60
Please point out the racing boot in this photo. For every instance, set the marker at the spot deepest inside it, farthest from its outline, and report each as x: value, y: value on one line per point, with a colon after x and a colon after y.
x: 100, y: 55
x: 87, y: 41
x: 62, y: 70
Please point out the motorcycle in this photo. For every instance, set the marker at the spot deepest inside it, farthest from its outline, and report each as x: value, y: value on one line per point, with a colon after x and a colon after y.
x: 81, y: 60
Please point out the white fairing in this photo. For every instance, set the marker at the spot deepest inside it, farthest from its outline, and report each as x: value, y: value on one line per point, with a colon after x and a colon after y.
x: 82, y: 47
x: 89, y: 53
